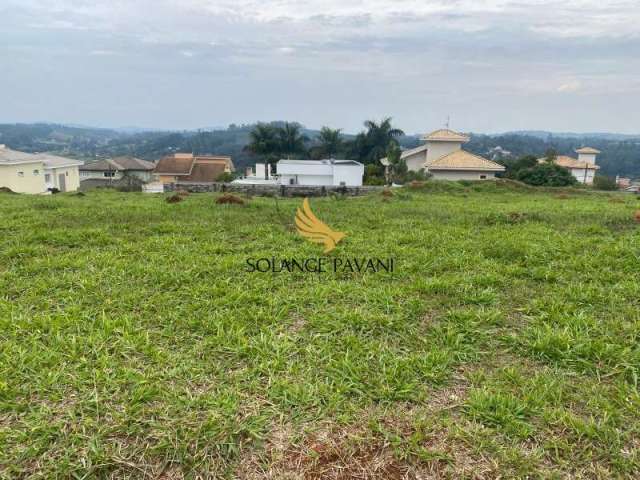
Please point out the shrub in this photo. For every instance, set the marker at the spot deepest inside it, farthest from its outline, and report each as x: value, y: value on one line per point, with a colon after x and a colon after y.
x: 175, y: 198
x: 226, y: 177
x: 229, y: 199
x: 546, y: 174
x: 602, y: 182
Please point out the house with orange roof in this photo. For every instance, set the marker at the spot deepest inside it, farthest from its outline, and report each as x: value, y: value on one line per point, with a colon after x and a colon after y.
x: 583, y: 168
x: 189, y: 168
x: 443, y: 157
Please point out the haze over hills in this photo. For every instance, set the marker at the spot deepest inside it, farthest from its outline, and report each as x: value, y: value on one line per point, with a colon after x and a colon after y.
x: 620, y: 152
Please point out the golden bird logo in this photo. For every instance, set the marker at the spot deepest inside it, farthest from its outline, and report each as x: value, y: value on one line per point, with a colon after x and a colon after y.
x: 314, y: 230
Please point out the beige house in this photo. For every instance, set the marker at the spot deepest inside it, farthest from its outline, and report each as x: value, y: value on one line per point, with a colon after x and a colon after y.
x: 185, y: 167
x: 583, y: 168
x: 37, y: 173
x: 117, y: 168
x: 443, y: 157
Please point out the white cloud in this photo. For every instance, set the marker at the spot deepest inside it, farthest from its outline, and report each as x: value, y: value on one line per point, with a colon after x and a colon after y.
x: 570, y: 87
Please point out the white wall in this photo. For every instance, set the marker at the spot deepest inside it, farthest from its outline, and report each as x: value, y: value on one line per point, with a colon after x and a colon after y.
x: 416, y: 161
x: 327, y: 174
x: 458, y: 175
x: 587, y: 157
x: 579, y: 173
x: 303, y: 179
x: 71, y: 178
x: 436, y: 150
x: 90, y: 174
x: 351, y: 175
x: 22, y: 178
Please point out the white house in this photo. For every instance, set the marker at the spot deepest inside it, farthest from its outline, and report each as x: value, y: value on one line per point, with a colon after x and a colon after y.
x: 37, y: 173
x: 583, y: 168
x: 329, y: 172
x: 443, y: 157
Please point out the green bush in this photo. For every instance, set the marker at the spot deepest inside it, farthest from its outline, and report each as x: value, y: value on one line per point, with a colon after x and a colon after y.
x: 226, y: 177
x: 602, y: 182
x: 546, y: 174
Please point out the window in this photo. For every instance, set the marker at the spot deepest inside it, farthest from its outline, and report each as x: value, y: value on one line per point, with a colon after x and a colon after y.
x: 21, y: 174
x: 109, y: 174
x: 36, y: 172
x: 66, y: 174
x: 47, y: 177
x: 483, y: 177
x: 291, y: 181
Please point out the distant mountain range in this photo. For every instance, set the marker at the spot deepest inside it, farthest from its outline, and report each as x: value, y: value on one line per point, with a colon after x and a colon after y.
x: 601, y: 135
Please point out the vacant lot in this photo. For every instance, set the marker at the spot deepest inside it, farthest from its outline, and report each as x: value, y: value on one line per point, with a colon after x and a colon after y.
x: 134, y: 343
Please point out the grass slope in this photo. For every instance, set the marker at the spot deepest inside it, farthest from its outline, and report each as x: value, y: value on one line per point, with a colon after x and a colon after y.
x: 133, y: 343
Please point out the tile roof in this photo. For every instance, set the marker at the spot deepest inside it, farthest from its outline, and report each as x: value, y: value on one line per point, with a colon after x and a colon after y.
x: 587, y: 150
x: 204, y: 173
x: 446, y: 135
x: 406, y: 153
x: 119, y: 163
x: 570, y: 162
x: 171, y: 165
x: 12, y: 157
x: 463, y: 160
x: 226, y: 159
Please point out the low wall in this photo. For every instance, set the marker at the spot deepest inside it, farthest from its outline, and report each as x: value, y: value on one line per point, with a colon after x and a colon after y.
x: 272, y: 190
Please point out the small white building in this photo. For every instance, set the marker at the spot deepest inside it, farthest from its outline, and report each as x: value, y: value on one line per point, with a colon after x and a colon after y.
x: 37, y: 173
x: 583, y: 168
x: 443, y: 157
x: 329, y: 172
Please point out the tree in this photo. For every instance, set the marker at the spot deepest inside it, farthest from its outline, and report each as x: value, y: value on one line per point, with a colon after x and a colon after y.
x: 550, y: 155
x: 397, y: 168
x: 290, y: 139
x: 374, y: 143
x: 330, y: 142
x: 602, y: 182
x: 546, y: 174
x: 264, y: 142
x: 513, y: 167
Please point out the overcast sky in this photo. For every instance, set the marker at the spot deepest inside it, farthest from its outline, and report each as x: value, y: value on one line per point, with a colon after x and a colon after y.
x: 492, y: 65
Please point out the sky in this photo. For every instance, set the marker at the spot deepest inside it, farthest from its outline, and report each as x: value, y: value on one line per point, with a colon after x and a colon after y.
x: 488, y: 65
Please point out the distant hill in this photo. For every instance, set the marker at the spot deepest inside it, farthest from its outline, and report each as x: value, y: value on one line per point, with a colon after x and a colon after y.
x: 600, y: 135
x: 620, y: 153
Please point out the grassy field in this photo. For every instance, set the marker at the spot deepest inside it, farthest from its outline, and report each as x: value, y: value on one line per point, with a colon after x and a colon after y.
x: 134, y: 343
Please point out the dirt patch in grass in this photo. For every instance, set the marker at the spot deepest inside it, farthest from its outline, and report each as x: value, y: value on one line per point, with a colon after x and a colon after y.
x: 229, y: 199
x: 175, y: 198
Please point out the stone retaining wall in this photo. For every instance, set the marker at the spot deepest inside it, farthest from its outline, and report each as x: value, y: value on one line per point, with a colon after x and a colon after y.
x: 272, y: 190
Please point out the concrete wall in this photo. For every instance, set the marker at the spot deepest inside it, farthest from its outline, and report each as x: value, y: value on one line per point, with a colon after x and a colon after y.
x: 587, y: 157
x: 416, y: 161
x: 579, y: 174
x: 273, y: 190
x: 301, y: 179
x: 458, y: 175
x: 71, y: 178
x: 22, y: 178
x: 436, y: 150
x: 90, y: 175
x: 334, y: 175
x: 349, y: 175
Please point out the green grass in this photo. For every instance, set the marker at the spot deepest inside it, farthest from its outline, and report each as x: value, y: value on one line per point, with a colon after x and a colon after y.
x: 134, y: 343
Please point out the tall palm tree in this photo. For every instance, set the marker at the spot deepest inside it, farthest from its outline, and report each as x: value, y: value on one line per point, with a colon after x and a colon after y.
x: 264, y: 142
x: 290, y: 139
x: 379, y: 136
x: 330, y: 141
